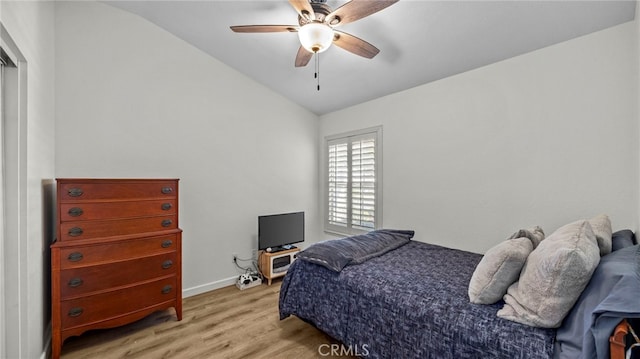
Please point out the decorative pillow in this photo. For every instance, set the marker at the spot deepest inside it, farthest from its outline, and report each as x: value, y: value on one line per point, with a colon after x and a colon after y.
x: 601, y: 226
x: 622, y: 239
x: 498, y: 269
x: 535, y: 234
x: 553, y: 277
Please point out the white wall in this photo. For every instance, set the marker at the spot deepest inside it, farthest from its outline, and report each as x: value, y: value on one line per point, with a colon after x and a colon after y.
x: 541, y: 139
x: 135, y: 101
x: 30, y: 26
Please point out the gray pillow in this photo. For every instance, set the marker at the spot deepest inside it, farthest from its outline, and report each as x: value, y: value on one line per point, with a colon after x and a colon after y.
x: 535, y: 234
x: 601, y: 226
x: 553, y: 277
x: 498, y: 269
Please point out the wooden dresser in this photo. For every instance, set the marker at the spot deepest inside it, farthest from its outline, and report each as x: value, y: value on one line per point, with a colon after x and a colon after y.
x: 118, y: 254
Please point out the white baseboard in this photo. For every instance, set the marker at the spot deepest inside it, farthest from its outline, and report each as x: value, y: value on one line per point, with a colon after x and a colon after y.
x: 209, y: 287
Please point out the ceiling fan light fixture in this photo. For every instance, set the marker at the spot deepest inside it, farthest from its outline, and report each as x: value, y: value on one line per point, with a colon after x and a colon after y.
x: 315, y: 36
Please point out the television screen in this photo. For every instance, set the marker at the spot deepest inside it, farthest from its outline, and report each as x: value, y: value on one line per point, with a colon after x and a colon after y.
x: 277, y: 230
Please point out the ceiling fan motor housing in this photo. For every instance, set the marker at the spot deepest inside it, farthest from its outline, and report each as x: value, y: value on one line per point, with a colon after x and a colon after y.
x: 321, y: 11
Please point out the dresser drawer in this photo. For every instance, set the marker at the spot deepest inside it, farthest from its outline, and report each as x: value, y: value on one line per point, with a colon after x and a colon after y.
x: 97, y: 229
x: 88, y: 255
x: 86, y: 310
x: 83, y: 211
x: 116, y: 190
x: 80, y: 281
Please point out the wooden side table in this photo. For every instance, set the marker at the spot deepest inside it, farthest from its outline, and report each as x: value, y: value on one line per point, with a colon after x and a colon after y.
x: 275, y: 264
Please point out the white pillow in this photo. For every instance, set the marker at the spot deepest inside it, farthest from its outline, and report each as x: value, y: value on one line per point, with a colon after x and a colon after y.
x: 601, y: 225
x: 553, y: 277
x: 498, y: 269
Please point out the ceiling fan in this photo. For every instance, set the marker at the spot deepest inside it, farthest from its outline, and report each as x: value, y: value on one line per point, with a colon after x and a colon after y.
x: 317, y: 23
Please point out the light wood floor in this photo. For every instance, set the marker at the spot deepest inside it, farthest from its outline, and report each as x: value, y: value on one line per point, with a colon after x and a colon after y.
x: 225, y: 323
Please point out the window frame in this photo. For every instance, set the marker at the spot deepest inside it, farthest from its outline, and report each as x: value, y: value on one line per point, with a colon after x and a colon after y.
x: 349, y: 137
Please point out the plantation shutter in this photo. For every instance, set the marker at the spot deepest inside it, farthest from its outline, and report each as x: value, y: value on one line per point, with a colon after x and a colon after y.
x: 352, y: 185
x: 363, y: 183
x: 338, y: 183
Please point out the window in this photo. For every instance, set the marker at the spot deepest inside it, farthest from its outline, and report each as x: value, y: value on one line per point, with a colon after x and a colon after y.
x: 352, y: 184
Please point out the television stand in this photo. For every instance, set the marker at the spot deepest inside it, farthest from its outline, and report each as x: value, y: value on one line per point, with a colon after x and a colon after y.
x: 275, y: 264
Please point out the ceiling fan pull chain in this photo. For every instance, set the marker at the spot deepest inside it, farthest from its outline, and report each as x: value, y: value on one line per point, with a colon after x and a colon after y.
x: 317, y: 74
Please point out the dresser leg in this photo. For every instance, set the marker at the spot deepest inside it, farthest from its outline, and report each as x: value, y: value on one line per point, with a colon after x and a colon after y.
x: 56, y: 345
x: 178, y: 309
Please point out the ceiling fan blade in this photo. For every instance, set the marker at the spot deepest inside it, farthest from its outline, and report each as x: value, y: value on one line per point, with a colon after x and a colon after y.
x: 303, y: 57
x: 265, y: 28
x: 355, y: 10
x: 303, y: 7
x: 354, y: 44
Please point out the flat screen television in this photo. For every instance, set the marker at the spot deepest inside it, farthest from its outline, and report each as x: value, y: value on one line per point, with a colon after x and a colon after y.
x: 279, y: 231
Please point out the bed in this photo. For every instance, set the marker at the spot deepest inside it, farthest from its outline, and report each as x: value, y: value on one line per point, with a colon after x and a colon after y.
x: 409, y: 301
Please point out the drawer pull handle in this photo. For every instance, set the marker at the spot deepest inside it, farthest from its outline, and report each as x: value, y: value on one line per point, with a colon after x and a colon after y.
x: 167, y: 243
x: 167, y: 264
x: 75, y: 231
x: 75, y: 256
x: 75, y: 212
x: 75, y: 282
x: 167, y: 190
x: 166, y: 206
x: 75, y: 192
x: 75, y: 312
x: 166, y: 289
x: 166, y: 222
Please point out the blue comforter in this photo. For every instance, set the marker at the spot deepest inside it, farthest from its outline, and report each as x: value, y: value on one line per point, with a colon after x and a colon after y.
x: 411, y: 302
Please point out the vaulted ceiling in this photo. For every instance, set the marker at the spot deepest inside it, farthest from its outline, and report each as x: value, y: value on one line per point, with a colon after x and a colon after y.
x: 420, y: 41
